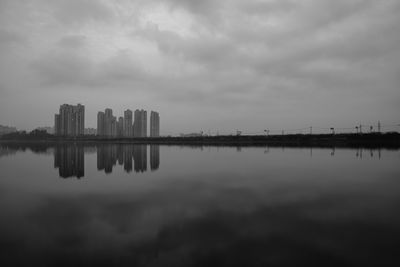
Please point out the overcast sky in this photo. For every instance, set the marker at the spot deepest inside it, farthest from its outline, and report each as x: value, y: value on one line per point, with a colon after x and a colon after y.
x: 204, y: 65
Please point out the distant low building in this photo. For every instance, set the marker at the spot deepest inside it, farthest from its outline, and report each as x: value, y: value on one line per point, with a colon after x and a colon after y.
x: 49, y: 130
x: 90, y: 131
x: 7, y: 130
x: 192, y: 134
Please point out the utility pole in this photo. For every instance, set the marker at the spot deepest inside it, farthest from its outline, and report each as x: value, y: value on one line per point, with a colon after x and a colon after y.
x: 379, y: 127
x: 310, y: 130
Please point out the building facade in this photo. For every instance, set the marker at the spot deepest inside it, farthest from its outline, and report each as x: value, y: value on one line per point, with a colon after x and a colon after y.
x: 100, y: 123
x: 108, y: 117
x: 120, y: 127
x: 130, y: 125
x: 107, y: 124
x: 113, y: 127
x: 140, y: 124
x: 70, y: 121
x: 57, y: 124
x: 128, y: 120
x: 154, y: 124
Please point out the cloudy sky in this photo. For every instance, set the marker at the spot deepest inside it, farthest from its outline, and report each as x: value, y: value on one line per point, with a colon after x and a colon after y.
x: 204, y: 65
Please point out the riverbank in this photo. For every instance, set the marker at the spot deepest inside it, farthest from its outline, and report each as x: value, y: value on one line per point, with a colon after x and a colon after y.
x: 389, y: 140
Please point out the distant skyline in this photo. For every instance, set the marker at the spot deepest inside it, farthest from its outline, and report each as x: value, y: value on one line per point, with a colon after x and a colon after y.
x: 204, y: 65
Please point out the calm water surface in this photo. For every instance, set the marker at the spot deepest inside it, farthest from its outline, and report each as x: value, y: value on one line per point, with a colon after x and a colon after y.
x: 126, y: 205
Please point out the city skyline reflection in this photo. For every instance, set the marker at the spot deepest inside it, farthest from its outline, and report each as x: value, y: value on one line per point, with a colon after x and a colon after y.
x: 131, y: 157
x: 70, y: 159
x: 233, y: 205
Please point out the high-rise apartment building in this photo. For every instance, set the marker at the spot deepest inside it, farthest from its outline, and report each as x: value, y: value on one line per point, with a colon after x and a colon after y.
x: 108, y: 117
x: 70, y: 121
x: 140, y: 124
x: 154, y: 124
x: 128, y: 127
x: 120, y: 127
x: 107, y: 124
x: 57, y: 124
x: 100, y: 123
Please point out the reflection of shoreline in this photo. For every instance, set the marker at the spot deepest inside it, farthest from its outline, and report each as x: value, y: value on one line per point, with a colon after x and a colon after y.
x: 6, y: 151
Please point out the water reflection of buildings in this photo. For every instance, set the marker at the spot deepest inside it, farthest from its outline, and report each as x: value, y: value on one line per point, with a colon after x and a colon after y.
x: 106, y: 157
x: 70, y: 161
x: 130, y: 156
x: 6, y: 151
x: 154, y: 157
x: 140, y: 158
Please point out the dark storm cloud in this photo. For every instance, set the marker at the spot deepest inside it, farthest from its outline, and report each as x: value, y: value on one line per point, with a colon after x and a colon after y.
x: 62, y: 68
x: 79, y: 11
x: 8, y: 37
x: 206, y: 51
x: 66, y: 68
x: 262, y: 8
x: 121, y: 68
x: 72, y: 41
x: 204, y: 8
x: 211, y: 54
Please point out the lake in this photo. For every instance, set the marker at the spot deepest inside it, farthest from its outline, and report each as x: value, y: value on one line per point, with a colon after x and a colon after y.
x: 150, y: 205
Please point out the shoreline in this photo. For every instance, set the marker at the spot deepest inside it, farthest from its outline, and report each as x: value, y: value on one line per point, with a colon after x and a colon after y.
x: 371, y: 140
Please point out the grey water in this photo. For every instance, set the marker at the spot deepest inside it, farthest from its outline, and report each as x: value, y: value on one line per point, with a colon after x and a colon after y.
x: 138, y: 205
